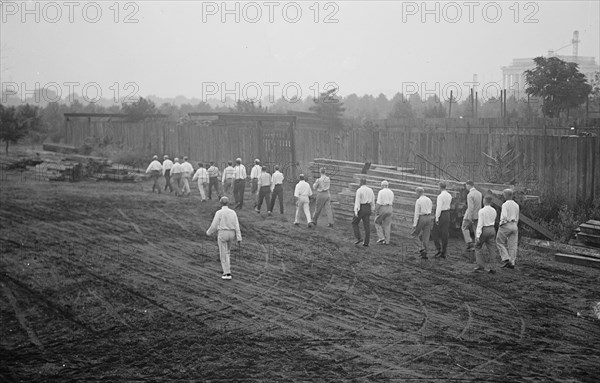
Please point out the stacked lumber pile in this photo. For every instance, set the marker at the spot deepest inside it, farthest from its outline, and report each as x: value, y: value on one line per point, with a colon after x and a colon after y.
x: 345, y: 180
x: 589, y: 233
x: 573, y: 254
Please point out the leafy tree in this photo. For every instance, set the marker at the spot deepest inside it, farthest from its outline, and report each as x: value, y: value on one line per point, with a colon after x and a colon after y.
x: 434, y: 108
x: 139, y: 110
x: 401, y: 109
x: 329, y: 107
x: 248, y: 106
x: 558, y: 83
x: 16, y: 123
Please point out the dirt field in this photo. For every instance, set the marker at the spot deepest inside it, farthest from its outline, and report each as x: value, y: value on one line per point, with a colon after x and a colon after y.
x: 108, y: 282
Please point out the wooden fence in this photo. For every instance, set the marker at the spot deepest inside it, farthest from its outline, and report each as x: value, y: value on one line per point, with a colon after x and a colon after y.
x: 542, y: 157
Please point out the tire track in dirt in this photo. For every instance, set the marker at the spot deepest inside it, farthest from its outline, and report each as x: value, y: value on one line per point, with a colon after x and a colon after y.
x: 31, y: 334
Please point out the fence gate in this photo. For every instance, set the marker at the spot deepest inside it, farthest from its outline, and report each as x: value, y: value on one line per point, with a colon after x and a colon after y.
x: 276, y: 146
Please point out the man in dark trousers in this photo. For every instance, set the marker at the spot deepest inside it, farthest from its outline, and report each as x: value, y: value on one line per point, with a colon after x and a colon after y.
x: 276, y: 190
x: 364, y: 204
x: 442, y: 222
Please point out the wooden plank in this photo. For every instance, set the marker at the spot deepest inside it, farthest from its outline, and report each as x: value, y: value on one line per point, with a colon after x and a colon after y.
x: 577, y: 260
x: 593, y: 239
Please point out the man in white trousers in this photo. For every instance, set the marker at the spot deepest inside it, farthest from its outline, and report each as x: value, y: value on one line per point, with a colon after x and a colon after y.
x: 188, y: 169
x: 228, y: 227
x: 302, y: 192
x: 201, y: 176
x: 508, y: 231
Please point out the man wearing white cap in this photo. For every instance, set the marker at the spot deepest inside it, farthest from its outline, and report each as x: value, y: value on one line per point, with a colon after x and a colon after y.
x: 188, y: 169
x: 202, y: 176
x: 254, y: 175
x: 155, y: 168
x: 176, y: 172
x: 239, y: 183
x: 228, y: 227
x: 302, y: 192
x: 167, y: 165
x: 383, y: 213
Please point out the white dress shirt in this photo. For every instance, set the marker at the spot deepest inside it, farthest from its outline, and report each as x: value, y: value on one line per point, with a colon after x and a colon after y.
x: 487, y: 217
x: 422, y: 206
x: 239, y: 172
x: 228, y: 172
x: 154, y: 165
x: 176, y: 169
x: 277, y: 178
x: 302, y: 190
x: 255, y: 172
x: 444, y: 199
x: 201, y: 175
x: 264, y: 179
x: 188, y: 169
x: 364, y: 195
x: 225, y: 219
x: 323, y: 183
x: 167, y: 165
x: 510, y: 212
x: 385, y: 197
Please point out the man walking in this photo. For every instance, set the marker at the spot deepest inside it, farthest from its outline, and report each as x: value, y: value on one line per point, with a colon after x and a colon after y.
x: 276, y: 190
x: 203, y: 180
x: 485, y: 234
x: 442, y: 222
x: 188, y: 169
x: 302, y: 192
x: 228, y: 227
x: 213, y: 180
x: 264, y: 189
x: 155, y: 168
x: 321, y: 186
x: 176, y: 172
x: 508, y: 232
x: 364, y: 203
x: 239, y: 183
x: 228, y: 178
x: 471, y: 215
x: 167, y: 165
x: 422, y: 222
x: 254, y: 174
x: 383, y: 213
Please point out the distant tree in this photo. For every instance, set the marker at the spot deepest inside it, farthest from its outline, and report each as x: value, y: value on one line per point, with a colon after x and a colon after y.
x: 401, y: 109
x: 329, y: 107
x: 16, y: 123
x: 248, y: 106
x: 138, y: 110
x: 558, y: 83
x: 595, y: 92
x: 434, y: 108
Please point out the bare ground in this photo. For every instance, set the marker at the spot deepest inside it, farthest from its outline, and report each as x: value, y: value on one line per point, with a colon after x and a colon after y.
x: 108, y: 282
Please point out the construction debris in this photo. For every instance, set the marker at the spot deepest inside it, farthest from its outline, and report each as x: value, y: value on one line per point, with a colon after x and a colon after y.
x: 589, y: 233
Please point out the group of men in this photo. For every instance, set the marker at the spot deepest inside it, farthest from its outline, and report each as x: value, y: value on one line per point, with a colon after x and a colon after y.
x: 480, y: 220
x: 479, y: 217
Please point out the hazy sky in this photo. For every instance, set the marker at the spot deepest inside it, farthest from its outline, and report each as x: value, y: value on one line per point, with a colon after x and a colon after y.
x: 185, y: 48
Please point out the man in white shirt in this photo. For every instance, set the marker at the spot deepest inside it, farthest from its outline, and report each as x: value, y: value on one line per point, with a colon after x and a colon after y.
x: 264, y: 189
x: 471, y: 214
x: 176, y: 172
x: 188, y: 169
x: 441, y: 225
x: 302, y: 192
x: 228, y: 178
x: 364, y: 204
x: 155, y: 169
x: 201, y: 176
x: 422, y: 221
x: 213, y: 180
x: 323, y: 201
x: 383, y: 213
x: 254, y: 174
x: 239, y: 183
x: 486, y: 234
x: 276, y: 190
x: 226, y: 223
x: 167, y: 165
x: 508, y: 232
